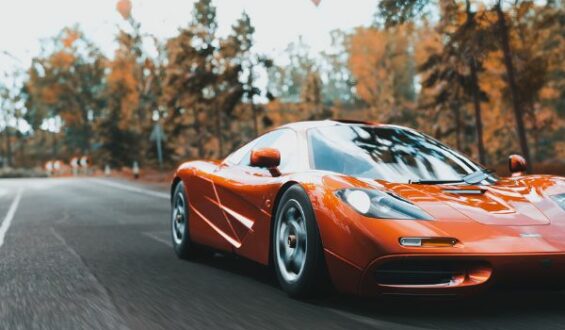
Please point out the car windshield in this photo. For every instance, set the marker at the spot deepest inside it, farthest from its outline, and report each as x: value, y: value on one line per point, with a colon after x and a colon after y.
x: 388, y: 153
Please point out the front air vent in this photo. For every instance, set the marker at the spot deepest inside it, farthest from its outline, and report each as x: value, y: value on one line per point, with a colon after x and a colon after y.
x: 415, y: 272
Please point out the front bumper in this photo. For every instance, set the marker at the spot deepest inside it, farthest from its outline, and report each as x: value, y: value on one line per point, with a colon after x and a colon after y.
x: 461, y: 275
x: 449, y: 275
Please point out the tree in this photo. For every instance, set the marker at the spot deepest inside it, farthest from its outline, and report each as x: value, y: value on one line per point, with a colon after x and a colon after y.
x: 335, y: 74
x: 189, y: 80
x: 395, y: 12
x: 235, y: 60
x: 7, y: 114
x: 119, y: 127
x: 503, y: 30
x: 286, y: 81
x: 205, y: 81
x: 383, y: 67
x: 121, y: 122
x: 68, y: 82
x: 312, y: 96
x: 538, y: 59
x: 455, y: 70
x: 133, y: 91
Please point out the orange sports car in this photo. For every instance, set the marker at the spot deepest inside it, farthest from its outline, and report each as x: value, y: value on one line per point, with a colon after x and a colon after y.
x: 380, y: 209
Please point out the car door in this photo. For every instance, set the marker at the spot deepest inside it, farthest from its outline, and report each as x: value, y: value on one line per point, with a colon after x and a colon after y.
x: 247, y: 193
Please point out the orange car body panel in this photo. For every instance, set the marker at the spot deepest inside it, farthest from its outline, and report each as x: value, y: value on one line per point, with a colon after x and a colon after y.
x: 510, y: 231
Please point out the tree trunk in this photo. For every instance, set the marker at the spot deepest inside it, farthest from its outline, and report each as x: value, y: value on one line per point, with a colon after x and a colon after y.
x: 20, y: 139
x: 477, y: 107
x: 253, y: 107
x: 87, y: 134
x: 8, y: 156
x: 197, y: 129
x: 516, y: 104
x: 255, y: 119
x: 22, y: 161
x: 475, y: 89
x: 219, y: 130
x: 54, y: 146
x: 457, y: 115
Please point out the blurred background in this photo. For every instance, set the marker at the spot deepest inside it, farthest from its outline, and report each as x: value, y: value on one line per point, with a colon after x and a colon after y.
x: 92, y: 87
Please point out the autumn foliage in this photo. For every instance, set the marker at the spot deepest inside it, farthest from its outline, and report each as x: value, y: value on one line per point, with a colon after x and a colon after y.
x: 486, y: 78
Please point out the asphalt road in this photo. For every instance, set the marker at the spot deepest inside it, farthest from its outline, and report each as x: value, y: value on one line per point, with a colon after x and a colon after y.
x: 95, y: 254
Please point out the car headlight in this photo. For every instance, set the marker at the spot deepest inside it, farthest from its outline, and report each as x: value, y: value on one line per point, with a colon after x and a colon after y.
x: 382, y: 205
x: 559, y: 199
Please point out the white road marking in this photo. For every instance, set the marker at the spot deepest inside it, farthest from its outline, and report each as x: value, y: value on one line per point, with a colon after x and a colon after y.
x: 9, y: 217
x: 373, y: 322
x: 122, y: 186
x: 158, y: 239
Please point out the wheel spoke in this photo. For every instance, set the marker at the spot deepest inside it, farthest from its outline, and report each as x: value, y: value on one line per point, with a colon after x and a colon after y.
x: 178, y: 219
x: 301, y: 237
x: 282, y: 249
x: 297, y: 261
x: 291, y: 237
x: 291, y: 214
x: 283, y: 231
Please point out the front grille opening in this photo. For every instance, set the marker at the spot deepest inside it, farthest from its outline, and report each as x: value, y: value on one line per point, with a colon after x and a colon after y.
x: 424, y: 272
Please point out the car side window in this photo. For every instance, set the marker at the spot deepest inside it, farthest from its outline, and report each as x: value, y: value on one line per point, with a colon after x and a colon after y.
x: 285, y: 141
x: 236, y: 156
x: 263, y: 141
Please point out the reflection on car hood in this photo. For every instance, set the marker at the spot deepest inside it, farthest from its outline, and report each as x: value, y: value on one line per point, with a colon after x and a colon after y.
x: 516, y: 201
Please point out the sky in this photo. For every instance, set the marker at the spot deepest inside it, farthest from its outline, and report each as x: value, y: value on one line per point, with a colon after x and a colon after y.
x: 23, y: 23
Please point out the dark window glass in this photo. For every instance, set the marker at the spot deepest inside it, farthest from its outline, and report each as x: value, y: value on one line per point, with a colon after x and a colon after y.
x: 387, y: 153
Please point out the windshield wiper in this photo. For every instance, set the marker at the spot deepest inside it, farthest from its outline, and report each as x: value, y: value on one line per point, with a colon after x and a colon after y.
x: 434, y: 181
x: 476, y: 177
x: 471, y: 179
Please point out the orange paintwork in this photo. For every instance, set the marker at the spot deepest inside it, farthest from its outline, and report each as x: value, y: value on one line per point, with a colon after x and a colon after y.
x: 267, y: 157
x: 511, y: 232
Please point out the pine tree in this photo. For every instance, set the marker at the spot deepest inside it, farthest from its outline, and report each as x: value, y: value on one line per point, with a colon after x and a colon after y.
x: 188, y: 89
x: 312, y: 96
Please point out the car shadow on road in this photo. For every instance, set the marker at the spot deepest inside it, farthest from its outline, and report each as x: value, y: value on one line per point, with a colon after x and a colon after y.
x: 239, y: 266
x: 524, y: 308
x: 493, y: 305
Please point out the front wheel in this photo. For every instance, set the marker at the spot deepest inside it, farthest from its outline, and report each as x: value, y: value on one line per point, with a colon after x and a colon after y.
x: 179, y: 224
x: 297, y: 247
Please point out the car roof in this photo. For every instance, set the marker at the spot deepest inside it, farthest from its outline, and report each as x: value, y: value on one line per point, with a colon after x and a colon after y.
x: 305, y: 125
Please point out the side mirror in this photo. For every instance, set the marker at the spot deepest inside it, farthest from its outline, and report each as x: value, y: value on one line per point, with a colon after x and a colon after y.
x: 268, y: 158
x: 517, y: 165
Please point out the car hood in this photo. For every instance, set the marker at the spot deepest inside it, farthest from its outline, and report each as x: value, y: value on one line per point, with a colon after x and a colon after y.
x: 516, y: 201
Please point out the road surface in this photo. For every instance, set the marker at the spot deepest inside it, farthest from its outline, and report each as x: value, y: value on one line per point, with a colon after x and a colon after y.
x: 79, y: 253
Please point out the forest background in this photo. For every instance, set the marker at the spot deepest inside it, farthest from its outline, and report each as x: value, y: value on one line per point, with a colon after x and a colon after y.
x: 486, y: 77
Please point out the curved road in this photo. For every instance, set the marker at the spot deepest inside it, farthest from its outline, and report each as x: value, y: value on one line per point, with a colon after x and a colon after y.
x: 95, y: 254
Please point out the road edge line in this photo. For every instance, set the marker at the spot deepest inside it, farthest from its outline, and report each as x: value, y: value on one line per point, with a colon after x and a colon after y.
x: 10, y: 216
x: 95, y: 282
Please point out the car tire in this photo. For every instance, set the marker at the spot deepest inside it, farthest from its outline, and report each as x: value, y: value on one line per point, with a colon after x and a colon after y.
x: 297, y: 248
x: 180, y: 234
